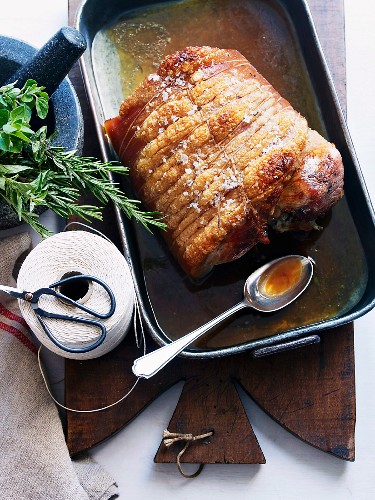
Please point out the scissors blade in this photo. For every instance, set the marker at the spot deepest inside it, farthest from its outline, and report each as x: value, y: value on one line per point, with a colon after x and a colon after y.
x: 15, y: 292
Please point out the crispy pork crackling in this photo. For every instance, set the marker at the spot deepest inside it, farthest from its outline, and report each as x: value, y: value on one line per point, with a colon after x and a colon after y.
x: 214, y: 147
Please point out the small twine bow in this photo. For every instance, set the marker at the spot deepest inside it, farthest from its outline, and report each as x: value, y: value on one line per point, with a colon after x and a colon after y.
x: 170, y: 438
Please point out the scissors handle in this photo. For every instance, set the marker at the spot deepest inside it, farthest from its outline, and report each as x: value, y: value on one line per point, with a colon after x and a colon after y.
x: 64, y: 347
x: 84, y: 277
x: 51, y: 290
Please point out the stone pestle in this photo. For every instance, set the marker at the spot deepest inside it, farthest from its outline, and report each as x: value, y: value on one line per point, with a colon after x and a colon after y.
x: 53, y: 61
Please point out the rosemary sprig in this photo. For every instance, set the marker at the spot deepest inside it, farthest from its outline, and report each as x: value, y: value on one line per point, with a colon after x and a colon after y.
x: 35, y: 173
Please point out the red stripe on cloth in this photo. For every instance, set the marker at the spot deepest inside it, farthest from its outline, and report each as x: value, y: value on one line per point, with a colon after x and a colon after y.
x: 19, y: 336
x: 13, y: 317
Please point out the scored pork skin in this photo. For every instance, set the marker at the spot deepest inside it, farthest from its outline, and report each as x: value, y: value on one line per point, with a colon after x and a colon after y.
x: 214, y: 147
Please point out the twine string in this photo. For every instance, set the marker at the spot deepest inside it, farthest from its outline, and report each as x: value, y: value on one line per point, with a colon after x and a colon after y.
x: 74, y: 410
x: 92, y: 229
x: 140, y: 340
x: 169, y: 438
x: 75, y: 253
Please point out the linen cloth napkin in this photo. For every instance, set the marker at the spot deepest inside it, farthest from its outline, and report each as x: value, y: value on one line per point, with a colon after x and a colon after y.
x: 34, y: 459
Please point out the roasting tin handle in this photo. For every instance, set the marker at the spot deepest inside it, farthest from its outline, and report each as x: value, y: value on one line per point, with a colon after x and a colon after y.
x: 285, y: 346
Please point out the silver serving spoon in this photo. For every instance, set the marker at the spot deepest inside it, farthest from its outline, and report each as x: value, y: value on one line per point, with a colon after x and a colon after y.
x: 268, y: 289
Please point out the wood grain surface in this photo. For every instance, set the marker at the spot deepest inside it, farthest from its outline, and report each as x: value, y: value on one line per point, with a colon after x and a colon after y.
x: 309, y: 391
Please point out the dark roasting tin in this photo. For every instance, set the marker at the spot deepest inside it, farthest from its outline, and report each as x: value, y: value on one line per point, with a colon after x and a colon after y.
x: 94, y: 15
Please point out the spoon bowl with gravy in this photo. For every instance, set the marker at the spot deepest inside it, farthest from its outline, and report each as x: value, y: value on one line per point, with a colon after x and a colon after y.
x: 270, y: 288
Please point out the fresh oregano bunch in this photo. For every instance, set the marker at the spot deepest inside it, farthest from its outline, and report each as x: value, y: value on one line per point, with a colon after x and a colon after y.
x: 34, y: 173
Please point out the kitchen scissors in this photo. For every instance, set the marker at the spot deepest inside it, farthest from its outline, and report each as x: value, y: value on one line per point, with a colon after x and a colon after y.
x: 34, y: 297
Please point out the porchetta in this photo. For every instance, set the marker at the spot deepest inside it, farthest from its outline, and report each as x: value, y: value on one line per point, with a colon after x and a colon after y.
x: 214, y: 147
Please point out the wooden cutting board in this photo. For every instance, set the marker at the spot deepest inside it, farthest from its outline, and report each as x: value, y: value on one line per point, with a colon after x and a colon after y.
x: 309, y: 391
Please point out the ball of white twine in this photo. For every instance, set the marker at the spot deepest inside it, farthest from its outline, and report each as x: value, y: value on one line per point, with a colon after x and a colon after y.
x: 78, y: 252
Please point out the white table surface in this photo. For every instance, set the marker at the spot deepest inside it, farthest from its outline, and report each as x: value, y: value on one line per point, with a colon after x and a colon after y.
x: 294, y: 469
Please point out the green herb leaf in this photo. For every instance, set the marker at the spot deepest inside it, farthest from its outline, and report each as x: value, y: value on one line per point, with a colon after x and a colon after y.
x: 42, y: 105
x: 4, y: 142
x: 34, y: 173
x: 21, y: 136
x: 9, y: 129
x: 12, y: 169
x: 20, y: 114
x: 4, y: 116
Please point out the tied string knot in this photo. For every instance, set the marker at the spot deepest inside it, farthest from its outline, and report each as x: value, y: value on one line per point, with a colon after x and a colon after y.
x: 170, y: 438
